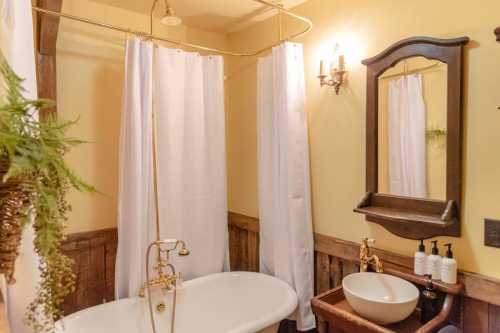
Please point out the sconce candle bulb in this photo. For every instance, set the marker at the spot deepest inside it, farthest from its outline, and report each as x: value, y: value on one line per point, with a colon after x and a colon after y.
x: 336, y: 77
x: 322, y: 68
x: 341, y: 63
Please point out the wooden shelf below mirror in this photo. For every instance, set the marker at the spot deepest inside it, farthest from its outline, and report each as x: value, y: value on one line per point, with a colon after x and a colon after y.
x: 413, y: 219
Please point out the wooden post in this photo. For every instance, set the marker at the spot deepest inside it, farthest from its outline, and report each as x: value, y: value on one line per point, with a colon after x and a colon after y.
x: 46, y: 39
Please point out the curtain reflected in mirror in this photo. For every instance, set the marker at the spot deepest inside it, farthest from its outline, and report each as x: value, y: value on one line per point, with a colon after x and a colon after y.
x: 412, y: 129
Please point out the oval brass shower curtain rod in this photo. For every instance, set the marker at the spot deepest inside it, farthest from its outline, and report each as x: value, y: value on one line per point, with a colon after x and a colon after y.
x: 187, y: 44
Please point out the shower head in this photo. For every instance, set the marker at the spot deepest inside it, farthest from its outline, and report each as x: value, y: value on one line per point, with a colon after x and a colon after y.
x: 169, y: 19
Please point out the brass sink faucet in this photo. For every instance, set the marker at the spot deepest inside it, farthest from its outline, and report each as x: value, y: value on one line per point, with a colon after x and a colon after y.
x: 365, y: 259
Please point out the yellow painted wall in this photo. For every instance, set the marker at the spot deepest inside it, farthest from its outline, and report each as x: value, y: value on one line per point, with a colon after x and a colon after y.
x: 89, y: 79
x: 337, y: 123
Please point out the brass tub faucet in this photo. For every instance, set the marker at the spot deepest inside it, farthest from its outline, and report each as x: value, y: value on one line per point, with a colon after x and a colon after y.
x: 166, y: 280
x: 365, y: 259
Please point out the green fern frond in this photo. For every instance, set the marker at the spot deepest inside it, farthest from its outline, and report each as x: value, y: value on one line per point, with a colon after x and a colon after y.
x: 35, y: 151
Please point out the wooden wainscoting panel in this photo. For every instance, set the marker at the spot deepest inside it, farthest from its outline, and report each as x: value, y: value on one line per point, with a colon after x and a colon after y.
x: 243, y: 250
x: 323, y: 281
x: 95, y: 254
x: 494, y: 318
x: 349, y: 267
x: 253, y: 251
x: 341, y: 249
x: 336, y: 273
x: 244, y: 242
x: 234, y: 245
x: 476, y: 316
x: 110, y: 263
x: 243, y: 222
x: 336, y: 258
x: 480, y: 287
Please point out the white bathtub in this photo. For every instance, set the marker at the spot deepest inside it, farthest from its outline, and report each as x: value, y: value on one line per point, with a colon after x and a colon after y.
x: 236, y: 302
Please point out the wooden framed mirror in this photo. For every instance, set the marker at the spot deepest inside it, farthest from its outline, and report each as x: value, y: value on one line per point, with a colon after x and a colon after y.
x: 414, y: 137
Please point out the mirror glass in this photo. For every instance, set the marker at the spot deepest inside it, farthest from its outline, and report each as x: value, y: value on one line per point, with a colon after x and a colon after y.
x: 412, y: 129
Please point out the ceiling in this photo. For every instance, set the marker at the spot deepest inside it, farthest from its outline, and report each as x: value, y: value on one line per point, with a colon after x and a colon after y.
x: 222, y: 16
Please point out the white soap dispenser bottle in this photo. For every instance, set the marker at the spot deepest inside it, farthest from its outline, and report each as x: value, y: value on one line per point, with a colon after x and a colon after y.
x: 449, y: 267
x: 434, y: 263
x: 420, y: 260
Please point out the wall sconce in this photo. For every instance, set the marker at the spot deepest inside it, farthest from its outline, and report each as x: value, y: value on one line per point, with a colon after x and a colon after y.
x: 336, y: 77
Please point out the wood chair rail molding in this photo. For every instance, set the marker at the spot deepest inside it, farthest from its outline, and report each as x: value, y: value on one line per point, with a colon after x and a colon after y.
x: 406, y: 217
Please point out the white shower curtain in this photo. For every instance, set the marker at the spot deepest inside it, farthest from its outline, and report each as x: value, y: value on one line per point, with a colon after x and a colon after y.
x: 188, y: 99
x: 135, y: 194
x: 407, y: 143
x: 17, y: 45
x: 286, y: 247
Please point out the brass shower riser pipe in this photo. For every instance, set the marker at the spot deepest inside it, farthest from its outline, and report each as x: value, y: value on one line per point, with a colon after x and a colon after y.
x: 187, y: 44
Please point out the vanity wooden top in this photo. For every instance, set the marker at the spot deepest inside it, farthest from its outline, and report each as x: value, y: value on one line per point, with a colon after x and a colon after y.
x: 333, y: 308
x: 333, y: 305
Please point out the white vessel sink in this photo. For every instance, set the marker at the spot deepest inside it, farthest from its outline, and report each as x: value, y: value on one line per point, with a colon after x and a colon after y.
x: 381, y: 298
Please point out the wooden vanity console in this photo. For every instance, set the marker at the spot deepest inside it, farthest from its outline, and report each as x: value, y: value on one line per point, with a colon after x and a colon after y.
x: 335, y: 315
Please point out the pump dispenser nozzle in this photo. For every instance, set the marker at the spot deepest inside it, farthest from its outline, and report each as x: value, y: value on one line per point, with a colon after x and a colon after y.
x: 421, y: 247
x: 435, y: 249
x: 449, y: 252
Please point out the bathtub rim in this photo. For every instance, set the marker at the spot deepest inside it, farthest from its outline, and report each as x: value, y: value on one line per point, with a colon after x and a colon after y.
x: 282, y: 312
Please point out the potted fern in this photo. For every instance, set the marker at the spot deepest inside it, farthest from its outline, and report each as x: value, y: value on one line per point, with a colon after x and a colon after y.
x: 34, y: 181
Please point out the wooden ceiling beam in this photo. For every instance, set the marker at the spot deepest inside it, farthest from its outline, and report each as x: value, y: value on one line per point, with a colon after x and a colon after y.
x: 47, y: 28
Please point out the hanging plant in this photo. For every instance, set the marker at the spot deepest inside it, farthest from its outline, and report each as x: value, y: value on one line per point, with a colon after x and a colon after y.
x: 34, y: 182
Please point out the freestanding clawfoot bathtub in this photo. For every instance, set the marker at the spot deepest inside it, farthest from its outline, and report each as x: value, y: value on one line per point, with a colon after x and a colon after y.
x: 236, y: 302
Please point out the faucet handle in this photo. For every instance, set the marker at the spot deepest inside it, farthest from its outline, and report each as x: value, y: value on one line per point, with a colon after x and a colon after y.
x: 367, y: 241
